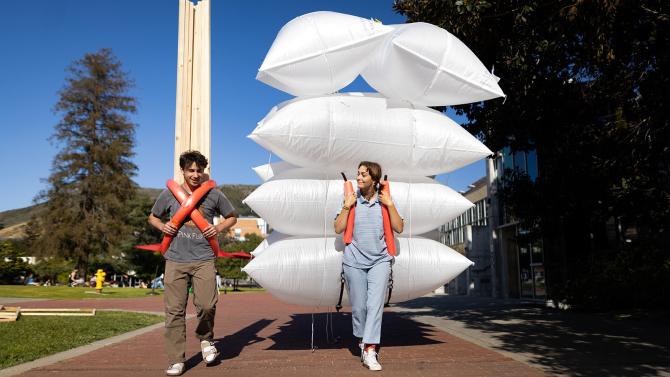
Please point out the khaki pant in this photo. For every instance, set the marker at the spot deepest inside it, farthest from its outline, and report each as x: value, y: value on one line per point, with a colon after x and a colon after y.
x: 202, y: 276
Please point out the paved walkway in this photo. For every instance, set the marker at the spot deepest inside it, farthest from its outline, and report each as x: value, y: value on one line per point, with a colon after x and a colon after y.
x: 259, y: 335
x: 558, y: 342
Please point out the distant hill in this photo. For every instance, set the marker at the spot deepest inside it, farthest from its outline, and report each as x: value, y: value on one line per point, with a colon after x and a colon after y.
x: 13, y: 221
x: 20, y: 215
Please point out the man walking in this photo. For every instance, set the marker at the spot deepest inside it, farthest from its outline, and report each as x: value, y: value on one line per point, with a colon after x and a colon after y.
x: 190, y: 261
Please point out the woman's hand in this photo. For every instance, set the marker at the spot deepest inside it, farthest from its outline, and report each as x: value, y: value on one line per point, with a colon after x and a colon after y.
x: 350, y: 200
x: 383, y: 198
x: 341, y: 220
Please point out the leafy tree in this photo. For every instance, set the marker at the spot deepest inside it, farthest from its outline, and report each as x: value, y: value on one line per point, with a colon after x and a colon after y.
x: 53, y: 268
x: 144, y: 263
x: 587, y: 87
x: 12, y: 267
x: 90, y: 182
x: 232, y: 268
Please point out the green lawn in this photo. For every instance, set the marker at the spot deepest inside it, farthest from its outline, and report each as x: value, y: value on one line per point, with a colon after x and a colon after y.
x: 64, y: 292
x: 30, y: 338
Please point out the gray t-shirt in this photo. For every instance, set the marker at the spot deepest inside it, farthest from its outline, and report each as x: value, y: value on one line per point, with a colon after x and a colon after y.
x: 189, y: 245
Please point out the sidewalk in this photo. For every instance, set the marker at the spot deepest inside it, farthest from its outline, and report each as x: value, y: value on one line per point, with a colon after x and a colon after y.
x: 558, y: 342
x: 259, y: 335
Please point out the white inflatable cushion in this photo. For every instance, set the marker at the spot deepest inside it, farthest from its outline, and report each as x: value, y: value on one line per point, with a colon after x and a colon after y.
x: 281, y: 170
x: 273, y: 237
x: 267, y: 171
x: 427, y: 65
x: 338, y: 131
x: 309, y: 206
x: 320, y: 53
x: 306, y: 271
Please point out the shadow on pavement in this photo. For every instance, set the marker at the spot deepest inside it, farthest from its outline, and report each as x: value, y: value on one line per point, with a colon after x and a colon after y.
x: 396, y: 331
x: 234, y: 343
x: 560, y: 342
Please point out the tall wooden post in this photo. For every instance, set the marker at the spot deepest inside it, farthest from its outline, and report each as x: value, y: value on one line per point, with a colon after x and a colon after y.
x: 193, y: 115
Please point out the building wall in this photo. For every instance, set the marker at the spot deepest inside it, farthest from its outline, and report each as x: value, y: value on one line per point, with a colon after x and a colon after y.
x: 468, y: 234
x: 453, y: 232
x: 478, y: 251
x: 248, y: 225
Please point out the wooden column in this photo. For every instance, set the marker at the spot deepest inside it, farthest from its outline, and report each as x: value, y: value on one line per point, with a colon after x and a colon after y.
x: 193, y: 115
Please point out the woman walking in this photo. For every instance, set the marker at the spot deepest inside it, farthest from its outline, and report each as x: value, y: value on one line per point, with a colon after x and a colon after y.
x: 366, y: 262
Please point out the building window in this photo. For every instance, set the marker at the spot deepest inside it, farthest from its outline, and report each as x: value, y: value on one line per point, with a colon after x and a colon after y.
x: 531, y: 161
x: 520, y: 161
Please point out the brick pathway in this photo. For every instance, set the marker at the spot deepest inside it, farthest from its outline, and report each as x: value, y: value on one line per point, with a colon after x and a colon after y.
x: 260, y: 336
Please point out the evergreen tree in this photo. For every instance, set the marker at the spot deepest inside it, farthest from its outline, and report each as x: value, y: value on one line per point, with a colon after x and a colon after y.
x: 12, y: 266
x: 90, y: 181
x: 587, y: 85
x: 144, y: 263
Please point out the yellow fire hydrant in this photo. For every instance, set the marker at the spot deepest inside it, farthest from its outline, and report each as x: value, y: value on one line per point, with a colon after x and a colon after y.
x: 99, y: 279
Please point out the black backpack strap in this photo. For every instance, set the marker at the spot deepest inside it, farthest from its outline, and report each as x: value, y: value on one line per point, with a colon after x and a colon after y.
x: 339, y: 302
x: 388, y: 300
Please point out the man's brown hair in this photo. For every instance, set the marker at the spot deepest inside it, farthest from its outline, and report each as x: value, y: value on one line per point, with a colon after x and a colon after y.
x: 187, y: 159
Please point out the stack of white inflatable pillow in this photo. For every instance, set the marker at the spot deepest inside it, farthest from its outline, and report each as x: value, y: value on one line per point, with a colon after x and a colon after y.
x: 321, y: 133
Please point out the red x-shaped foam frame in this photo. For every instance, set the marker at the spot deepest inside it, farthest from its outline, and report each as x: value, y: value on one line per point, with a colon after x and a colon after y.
x: 188, y: 208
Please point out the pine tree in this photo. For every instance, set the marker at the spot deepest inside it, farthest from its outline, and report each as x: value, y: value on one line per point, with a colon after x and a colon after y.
x: 90, y: 182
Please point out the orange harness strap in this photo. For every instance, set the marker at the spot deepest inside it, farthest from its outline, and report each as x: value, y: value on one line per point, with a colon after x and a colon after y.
x: 386, y: 218
x: 349, y: 230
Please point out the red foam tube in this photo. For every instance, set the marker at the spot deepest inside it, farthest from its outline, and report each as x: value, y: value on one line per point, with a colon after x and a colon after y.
x: 349, y: 230
x: 196, y: 216
x: 386, y: 219
x: 190, y: 203
x: 187, y: 207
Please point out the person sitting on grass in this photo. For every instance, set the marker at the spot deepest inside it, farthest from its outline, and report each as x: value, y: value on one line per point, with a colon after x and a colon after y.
x: 75, y: 280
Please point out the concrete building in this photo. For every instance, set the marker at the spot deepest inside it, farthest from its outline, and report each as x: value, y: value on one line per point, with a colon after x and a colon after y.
x: 468, y: 234
x: 519, y: 251
x: 248, y: 225
x: 509, y: 258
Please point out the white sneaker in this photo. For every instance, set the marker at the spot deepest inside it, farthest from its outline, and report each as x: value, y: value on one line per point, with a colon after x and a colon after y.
x: 361, y: 345
x: 175, y: 369
x: 370, y: 360
x: 209, y: 351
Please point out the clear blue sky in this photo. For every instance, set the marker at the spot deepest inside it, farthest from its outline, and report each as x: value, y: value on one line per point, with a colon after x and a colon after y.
x: 40, y: 38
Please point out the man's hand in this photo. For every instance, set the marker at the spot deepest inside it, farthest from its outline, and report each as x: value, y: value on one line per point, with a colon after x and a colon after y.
x: 169, y: 228
x: 210, y: 231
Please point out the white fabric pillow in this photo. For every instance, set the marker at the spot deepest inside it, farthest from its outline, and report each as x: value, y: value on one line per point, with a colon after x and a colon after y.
x: 306, y: 271
x: 336, y: 132
x: 309, y: 206
x: 320, y: 53
x: 426, y: 65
